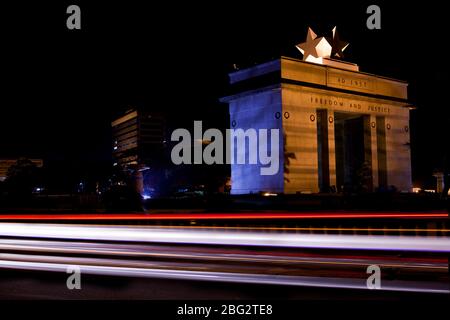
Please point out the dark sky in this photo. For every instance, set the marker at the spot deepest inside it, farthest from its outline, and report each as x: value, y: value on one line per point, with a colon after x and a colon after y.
x: 60, y: 88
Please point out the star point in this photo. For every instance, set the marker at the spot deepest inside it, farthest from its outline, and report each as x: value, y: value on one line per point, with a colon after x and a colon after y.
x: 314, y: 48
x: 338, y: 46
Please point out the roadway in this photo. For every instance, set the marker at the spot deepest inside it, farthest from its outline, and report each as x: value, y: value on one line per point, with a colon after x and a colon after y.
x: 223, y: 262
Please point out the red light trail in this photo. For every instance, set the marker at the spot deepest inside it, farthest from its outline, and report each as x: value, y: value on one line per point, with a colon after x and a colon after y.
x: 222, y: 216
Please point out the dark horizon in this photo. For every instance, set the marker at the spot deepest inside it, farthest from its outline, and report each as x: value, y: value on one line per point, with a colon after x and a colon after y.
x: 63, y: 87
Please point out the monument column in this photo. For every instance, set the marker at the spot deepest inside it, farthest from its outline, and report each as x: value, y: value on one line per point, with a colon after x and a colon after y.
x: 322, y: 150
x: 373, y: 146
x: 331, y: 149
x: 368, y: 180
x: 326, y: 149
x: 381, y: 152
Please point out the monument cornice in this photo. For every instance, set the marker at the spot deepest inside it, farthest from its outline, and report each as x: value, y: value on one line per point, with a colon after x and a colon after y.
x: 346, y: 91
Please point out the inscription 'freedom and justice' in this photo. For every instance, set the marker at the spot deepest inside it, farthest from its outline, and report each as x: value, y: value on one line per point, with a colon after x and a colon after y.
x: 350, y: 106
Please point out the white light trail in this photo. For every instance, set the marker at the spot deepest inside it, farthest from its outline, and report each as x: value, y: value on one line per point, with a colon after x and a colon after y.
x: 223, y: 237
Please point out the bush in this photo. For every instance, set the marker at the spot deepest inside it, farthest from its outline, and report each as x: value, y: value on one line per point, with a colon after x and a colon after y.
x: 122, y: 199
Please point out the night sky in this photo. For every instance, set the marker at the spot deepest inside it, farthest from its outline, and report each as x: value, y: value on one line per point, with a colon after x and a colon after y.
x: 60, y: 88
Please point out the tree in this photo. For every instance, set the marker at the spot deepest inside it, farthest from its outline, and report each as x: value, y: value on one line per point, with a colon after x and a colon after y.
x: 21, y: 178
x: 364, y: 178
x: 446, y: 175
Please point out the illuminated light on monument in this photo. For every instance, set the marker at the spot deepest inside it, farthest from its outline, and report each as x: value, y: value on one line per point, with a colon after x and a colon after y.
x: 325, y: 50
x: 342, y: 130
x: 315, y: 48
x: 252, y: 147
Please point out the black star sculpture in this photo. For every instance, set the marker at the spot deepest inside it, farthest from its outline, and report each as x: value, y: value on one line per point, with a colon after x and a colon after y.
x: 337, y: 45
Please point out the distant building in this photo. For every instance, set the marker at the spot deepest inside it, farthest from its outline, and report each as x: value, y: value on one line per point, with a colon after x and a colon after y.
x: 5, y: 164
x: 139, y: 147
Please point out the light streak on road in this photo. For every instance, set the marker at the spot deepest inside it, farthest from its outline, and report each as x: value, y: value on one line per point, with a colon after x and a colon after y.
x: 234, y: 255
x: 321, y: 229
x: 322, y: 282
x: 222, y: 216
x: 158, y: 252
x: 222, y: 237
